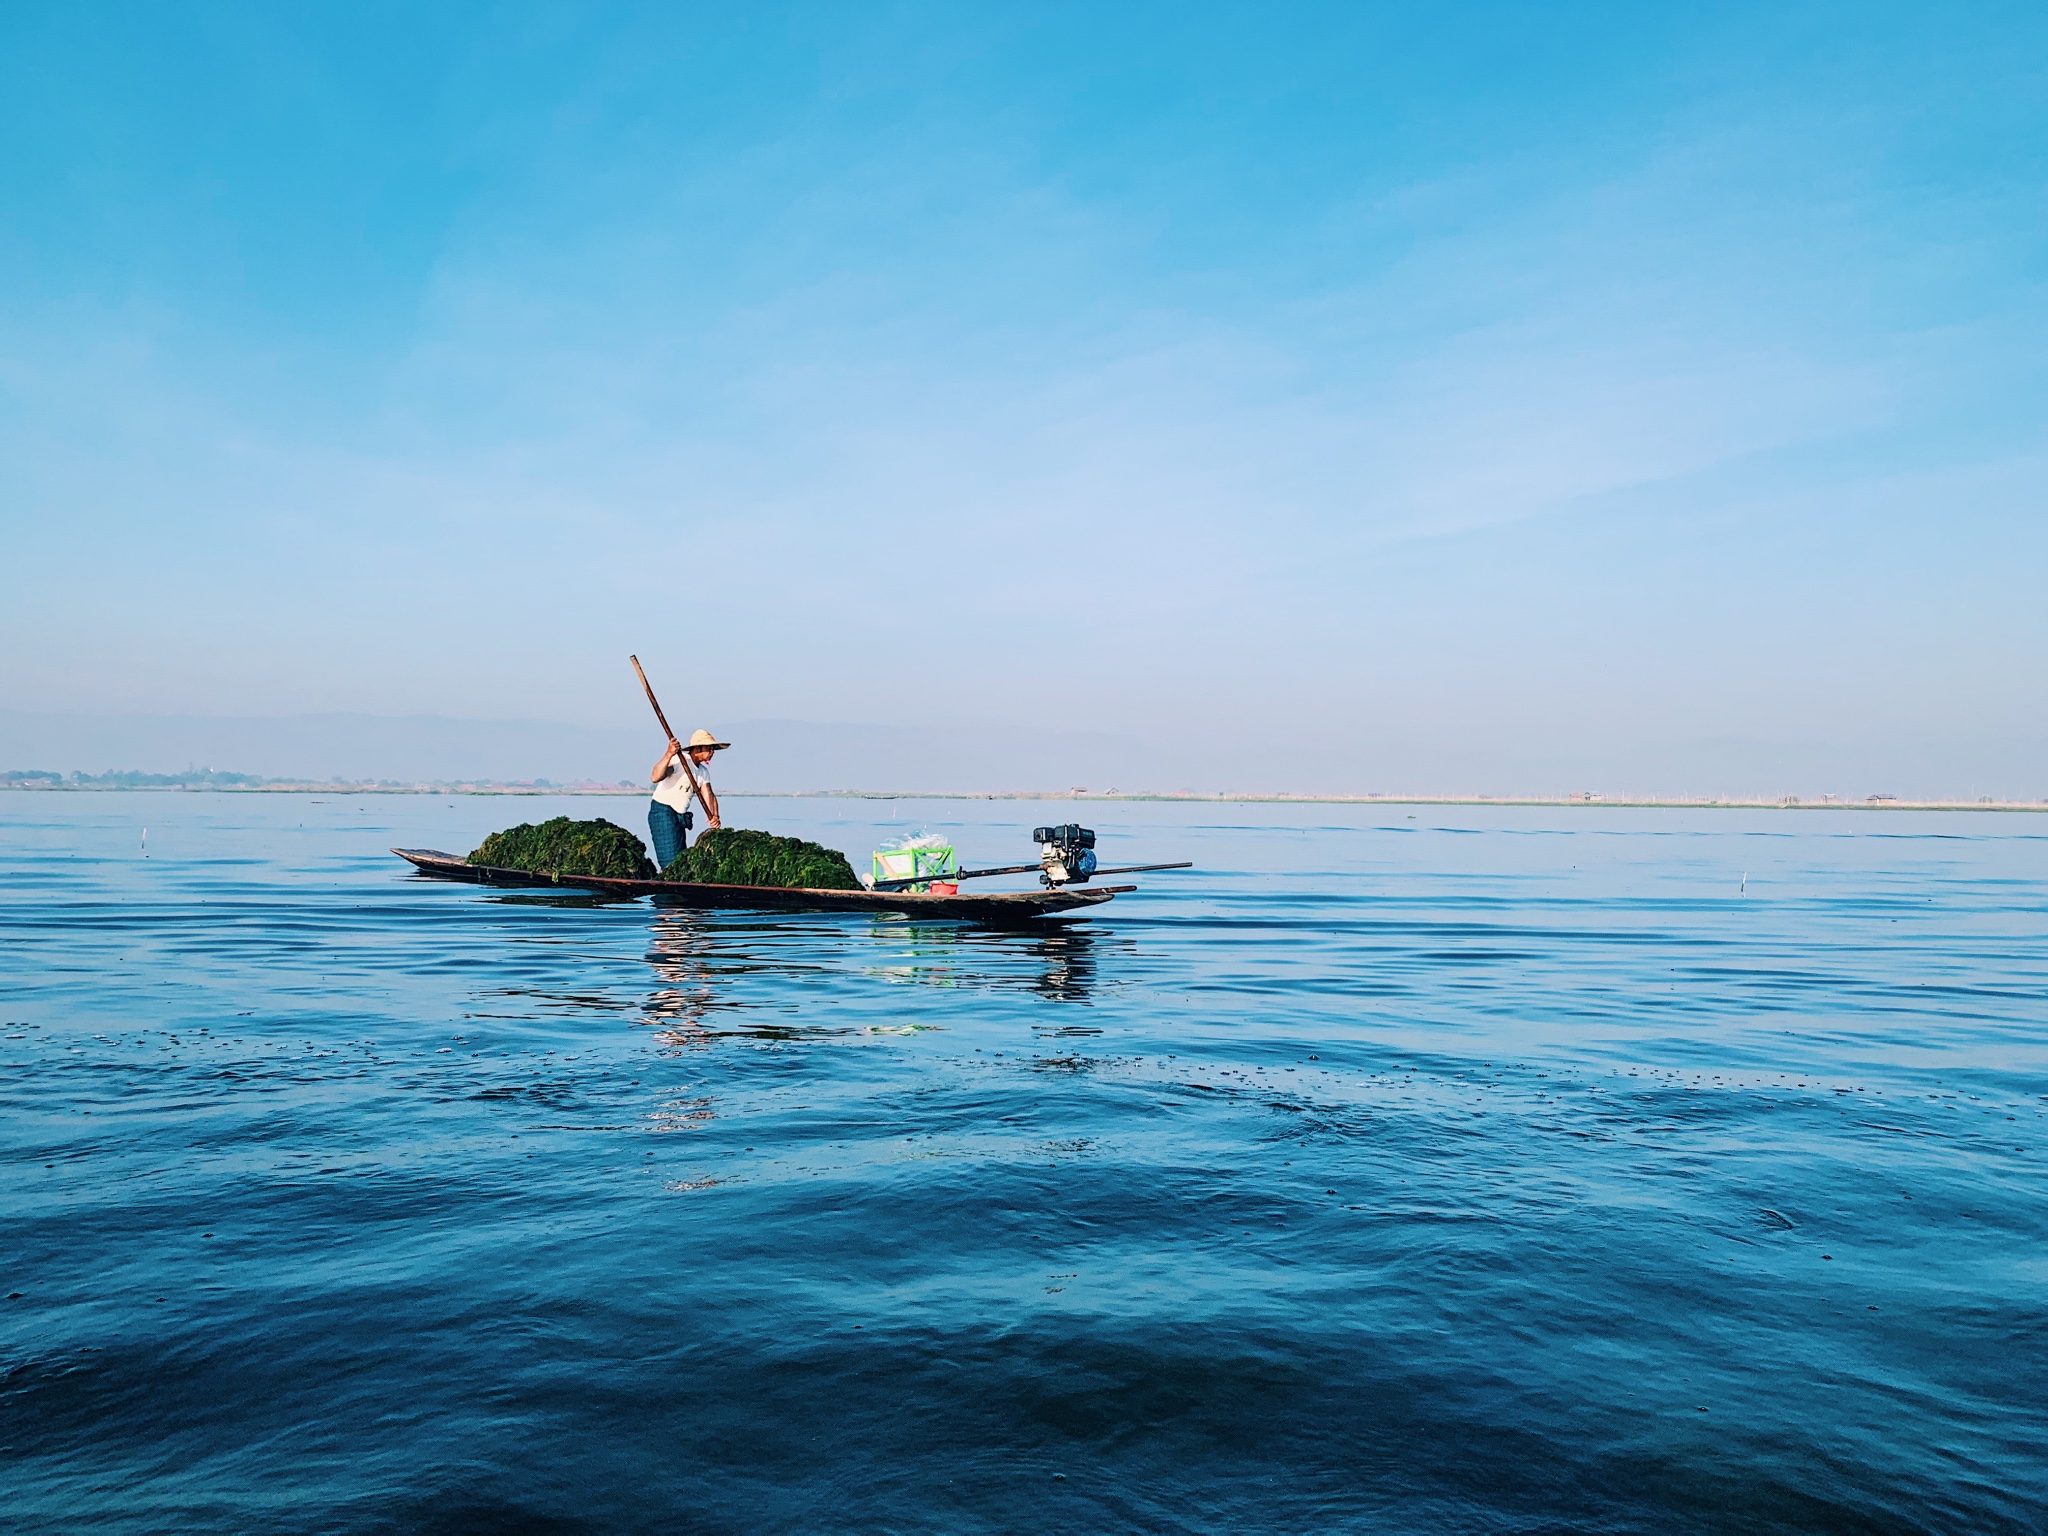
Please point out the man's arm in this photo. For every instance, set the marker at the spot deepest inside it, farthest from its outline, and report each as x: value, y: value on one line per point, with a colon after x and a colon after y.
x: 709, y: 796
x: 675, y: 750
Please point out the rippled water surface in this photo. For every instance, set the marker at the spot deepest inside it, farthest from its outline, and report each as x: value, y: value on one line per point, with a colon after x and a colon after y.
x: 1397, y: 1169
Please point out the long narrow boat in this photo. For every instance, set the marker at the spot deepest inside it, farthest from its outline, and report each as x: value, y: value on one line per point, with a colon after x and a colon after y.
x: 1008, y: 907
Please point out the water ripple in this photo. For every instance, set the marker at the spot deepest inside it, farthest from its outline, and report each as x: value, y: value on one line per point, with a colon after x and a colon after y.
x: 1496, y: 1170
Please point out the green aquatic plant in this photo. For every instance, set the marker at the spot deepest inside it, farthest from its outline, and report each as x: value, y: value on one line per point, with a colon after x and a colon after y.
x: 565, y: 847
x: 739, y: 856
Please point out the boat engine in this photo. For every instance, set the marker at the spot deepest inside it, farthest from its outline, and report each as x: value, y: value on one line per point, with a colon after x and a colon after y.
x: 1065, y: 854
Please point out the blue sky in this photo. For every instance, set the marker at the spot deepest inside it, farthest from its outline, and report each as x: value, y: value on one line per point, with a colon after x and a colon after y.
x: 1503, y: 394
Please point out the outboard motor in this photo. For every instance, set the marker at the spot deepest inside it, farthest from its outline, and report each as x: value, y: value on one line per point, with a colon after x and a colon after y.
x: 1066, y: 855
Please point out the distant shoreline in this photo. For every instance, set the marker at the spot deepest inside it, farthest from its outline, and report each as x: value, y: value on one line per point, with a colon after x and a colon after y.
x: 1141, y: 797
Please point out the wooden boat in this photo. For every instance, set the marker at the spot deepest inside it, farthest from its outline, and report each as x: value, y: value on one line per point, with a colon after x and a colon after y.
x: 1006, y: 907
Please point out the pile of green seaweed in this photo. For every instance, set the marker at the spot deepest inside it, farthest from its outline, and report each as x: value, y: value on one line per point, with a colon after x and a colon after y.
x: 736, y: 856
x: 565, y: 847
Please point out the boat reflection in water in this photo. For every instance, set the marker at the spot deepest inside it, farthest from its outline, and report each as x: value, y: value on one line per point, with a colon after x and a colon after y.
x: 696, y: 954
x: 1057, y: 960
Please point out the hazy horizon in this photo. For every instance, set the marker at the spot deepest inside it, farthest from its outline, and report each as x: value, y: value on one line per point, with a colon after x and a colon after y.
x: 787, y: 755
x: 1330, y: 398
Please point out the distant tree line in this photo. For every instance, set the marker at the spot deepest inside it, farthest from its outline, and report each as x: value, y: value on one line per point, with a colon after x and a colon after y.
x: 214, y: 778
x: 194, y: 778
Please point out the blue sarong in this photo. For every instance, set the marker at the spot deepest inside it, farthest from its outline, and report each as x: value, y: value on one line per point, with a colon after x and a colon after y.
x: 670, y: 830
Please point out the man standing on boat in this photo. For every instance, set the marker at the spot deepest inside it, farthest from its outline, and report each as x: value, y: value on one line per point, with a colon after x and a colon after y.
x: 682, y: 774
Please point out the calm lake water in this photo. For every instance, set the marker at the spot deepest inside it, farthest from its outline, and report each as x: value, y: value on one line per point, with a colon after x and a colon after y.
x: 1398, y: 1169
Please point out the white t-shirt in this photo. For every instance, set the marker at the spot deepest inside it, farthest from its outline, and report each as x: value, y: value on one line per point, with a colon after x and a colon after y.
x: 674, y: 789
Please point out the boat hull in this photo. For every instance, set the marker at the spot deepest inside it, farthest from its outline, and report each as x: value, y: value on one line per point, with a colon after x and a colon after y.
x: 1007, y: 907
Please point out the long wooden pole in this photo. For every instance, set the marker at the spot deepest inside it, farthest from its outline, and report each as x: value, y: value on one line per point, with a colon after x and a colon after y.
x: 695, y: 789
